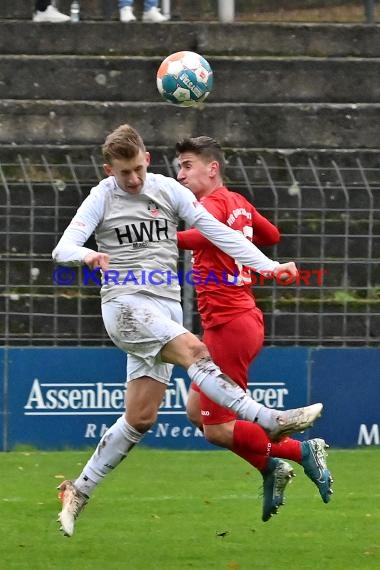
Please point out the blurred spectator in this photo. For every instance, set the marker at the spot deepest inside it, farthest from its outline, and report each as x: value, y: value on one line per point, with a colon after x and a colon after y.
x: 151, y: 12
x: 46, y: 12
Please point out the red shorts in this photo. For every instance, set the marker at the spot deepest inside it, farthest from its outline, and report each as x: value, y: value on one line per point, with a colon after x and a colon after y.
x: 233, y: 346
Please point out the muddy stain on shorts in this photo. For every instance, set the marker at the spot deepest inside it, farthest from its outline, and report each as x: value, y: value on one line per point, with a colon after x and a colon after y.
x: 126, y: 323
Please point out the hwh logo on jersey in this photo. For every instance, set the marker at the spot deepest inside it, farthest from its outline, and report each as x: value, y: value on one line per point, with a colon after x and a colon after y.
x: 154, y: 230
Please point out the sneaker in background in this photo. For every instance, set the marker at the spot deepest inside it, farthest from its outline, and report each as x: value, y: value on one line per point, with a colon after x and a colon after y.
x: 127, y: 15
x: 51, y: 14
x: 154, y: 16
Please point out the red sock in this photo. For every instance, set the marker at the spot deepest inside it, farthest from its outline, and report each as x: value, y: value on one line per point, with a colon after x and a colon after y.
x: 258, y: 461
x: 251, y: 441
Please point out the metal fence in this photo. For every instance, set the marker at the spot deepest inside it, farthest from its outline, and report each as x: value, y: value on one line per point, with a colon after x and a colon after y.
x: 328, y: 211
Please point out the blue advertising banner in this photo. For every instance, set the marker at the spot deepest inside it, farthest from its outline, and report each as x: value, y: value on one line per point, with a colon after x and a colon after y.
x: 62, y: 397
x: 67, y: 397
x: 347, y: 382
x: 54, y: 398
x: 280, y: 377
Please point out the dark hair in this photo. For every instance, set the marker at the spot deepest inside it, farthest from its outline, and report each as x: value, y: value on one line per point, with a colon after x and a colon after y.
x: 205, y: 147
x: 123, y: 142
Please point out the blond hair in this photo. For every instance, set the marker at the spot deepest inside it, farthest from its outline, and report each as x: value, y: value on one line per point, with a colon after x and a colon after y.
x: 123, y: 142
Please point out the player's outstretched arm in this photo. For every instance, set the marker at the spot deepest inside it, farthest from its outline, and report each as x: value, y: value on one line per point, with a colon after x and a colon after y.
x: 233, y: 243
x: 192, y: 239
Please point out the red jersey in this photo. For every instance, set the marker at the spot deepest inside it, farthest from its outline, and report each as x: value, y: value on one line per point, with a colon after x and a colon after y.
x: 222, y: 293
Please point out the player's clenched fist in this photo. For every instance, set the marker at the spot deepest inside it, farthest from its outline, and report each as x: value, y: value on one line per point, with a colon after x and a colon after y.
x: 97, y: 259
x: 286, y: 271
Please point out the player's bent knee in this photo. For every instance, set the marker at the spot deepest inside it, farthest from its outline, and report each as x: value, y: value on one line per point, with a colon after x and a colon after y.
x: 184, y: 350
x: 199, y: 350
x: 194, y: 417
x: 215, y: 436
x: 193, y: 409
x: 194, y: 347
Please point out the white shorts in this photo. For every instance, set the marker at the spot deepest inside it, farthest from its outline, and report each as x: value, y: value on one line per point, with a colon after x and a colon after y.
x: 141, y: 325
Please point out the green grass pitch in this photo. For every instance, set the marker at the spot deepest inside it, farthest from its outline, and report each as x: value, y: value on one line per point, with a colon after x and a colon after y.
x: 174, y: 510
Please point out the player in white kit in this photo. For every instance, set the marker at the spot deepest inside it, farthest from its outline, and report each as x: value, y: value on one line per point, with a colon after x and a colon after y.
x: 135, y: 215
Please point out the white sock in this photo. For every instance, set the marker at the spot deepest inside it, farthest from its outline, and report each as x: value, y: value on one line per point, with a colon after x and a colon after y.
x: 111, y: 450
x: 225, y: 392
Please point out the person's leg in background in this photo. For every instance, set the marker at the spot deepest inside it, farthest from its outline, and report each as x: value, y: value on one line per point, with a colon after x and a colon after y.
x: 46, y: 12
x: 152, y: 13
x: 126, y: 11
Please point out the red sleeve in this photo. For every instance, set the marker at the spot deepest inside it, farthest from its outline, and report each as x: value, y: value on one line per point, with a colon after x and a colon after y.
x: 192, y: 239
x: 264, y: 232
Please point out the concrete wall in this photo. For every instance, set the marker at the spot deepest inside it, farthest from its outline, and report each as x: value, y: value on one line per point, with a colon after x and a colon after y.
x: 240, y: 39
x: 181, y: 9
x: 296, y: 86
x: 253, y: 125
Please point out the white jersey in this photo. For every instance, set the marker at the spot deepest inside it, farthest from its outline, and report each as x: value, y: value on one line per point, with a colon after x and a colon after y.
x: 138, y: 232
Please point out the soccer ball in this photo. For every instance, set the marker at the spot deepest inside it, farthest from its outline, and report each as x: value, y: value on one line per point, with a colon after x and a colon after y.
x: 184, y: 78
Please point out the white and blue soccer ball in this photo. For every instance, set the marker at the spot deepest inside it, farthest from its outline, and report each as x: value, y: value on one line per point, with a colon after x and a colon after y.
x: 185, y: 78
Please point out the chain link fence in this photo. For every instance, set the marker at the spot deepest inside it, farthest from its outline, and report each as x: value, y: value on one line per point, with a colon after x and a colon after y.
x: 327, y: 208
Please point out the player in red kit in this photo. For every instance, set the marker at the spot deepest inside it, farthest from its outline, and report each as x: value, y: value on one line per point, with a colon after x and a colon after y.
x: 233, y: 328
